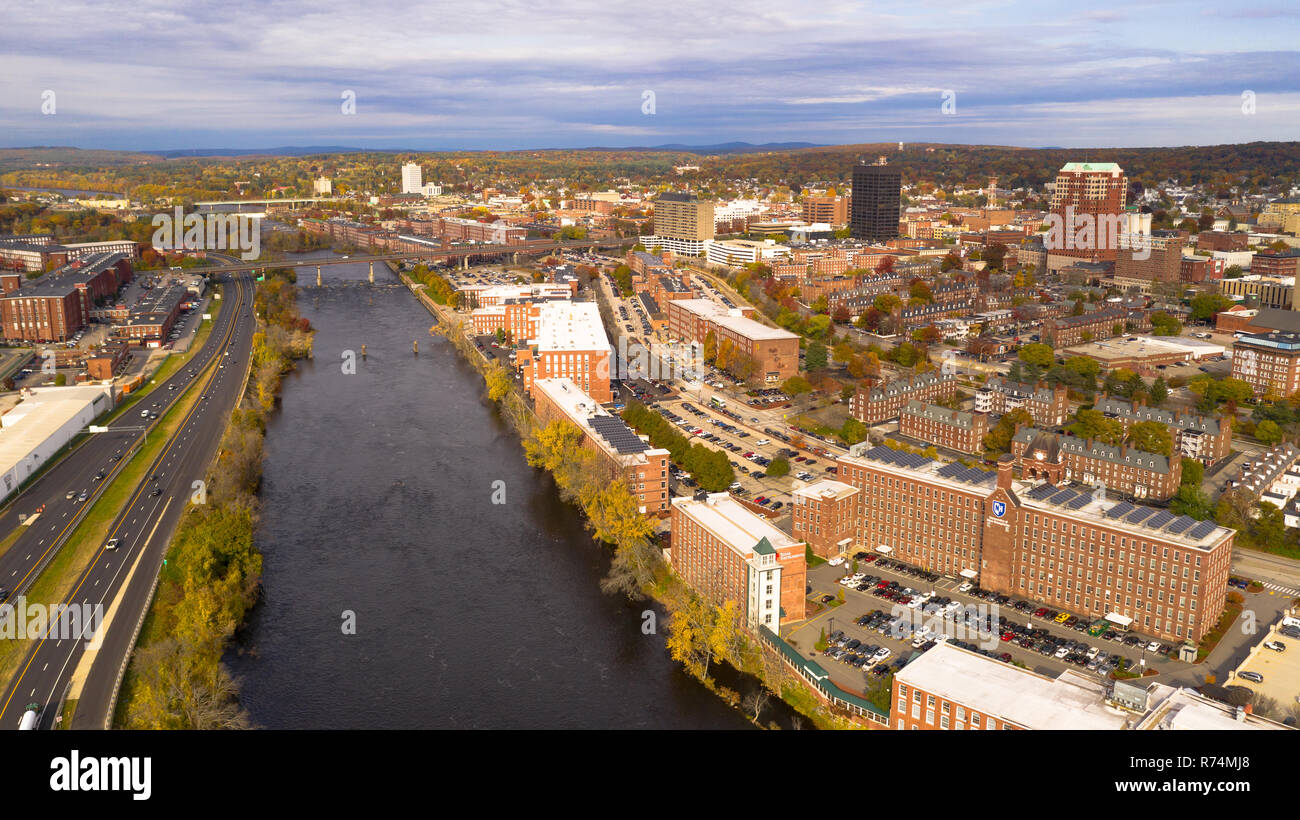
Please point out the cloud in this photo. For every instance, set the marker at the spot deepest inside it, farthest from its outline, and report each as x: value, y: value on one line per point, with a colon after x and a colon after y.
x: 500, y: 73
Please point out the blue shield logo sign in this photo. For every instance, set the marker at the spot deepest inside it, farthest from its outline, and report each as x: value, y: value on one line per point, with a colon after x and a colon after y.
x: 999, y: 508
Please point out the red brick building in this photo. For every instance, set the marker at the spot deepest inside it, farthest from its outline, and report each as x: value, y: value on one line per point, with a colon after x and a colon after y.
x: 1068, y: 550
x: 644, y: 468
x: 1048, y: 405
x: 727, y: 553
x: 935, y: 424
x: 1124, y: 470
x: 876, y: 401
x: 822, y: 515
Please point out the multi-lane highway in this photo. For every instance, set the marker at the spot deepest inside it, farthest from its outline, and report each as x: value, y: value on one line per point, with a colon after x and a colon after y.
x: 143, y: 529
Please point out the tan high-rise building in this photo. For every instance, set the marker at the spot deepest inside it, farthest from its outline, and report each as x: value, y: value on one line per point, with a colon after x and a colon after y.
x: 682, y: 223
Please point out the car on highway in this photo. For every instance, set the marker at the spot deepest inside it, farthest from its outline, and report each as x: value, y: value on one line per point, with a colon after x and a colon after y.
x: 112, y: 543
x: 70, y: 495
x: 157, y: 491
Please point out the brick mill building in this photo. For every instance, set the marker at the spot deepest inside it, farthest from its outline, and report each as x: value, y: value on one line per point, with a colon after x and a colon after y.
x: 725, y: 552
x: 876, y: 401
x: 57, y: 305
x: 1069, y: 550
x: 938, y: 425
x: 644, y: 468
x: 822, y: 515
x: 775, y: 352
x: 568, y: 341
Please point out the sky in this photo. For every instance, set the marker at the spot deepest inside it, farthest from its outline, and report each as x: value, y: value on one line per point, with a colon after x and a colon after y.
x: 516, y: 74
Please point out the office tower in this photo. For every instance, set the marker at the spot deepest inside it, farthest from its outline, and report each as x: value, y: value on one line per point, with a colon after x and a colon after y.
x: 874, y: 207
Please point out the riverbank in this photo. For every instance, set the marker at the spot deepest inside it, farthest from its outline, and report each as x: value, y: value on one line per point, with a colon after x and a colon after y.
x: 708, y: 642
x: 212, y: 575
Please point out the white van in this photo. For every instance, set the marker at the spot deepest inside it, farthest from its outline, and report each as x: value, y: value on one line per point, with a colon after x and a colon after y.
x: 762, y: 442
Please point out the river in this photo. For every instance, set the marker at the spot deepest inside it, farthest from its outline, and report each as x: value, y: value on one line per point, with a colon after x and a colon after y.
x: 377, y: 501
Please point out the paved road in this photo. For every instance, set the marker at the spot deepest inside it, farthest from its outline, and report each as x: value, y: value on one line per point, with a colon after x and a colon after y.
x: 144, y: 528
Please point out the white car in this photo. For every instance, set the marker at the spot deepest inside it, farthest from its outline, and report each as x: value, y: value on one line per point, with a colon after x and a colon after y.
x: 966, y: 587
x: 1092, y: 652
x: 1062, y: 652
x: 881, y: 654
x: 835, y: 562
x: 1154, y: 646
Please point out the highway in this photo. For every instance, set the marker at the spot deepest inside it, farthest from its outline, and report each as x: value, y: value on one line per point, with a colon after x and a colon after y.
x: 144, y: 527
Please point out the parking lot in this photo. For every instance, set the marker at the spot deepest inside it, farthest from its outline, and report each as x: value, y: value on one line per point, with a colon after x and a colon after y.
x: 888, y: 605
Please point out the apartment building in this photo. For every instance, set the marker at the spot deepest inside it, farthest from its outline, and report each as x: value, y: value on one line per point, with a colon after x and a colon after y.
x: 1091, y: 193
x: 568, y: 341
x: 876, y: 400
x: 774, y: 352
x: 644, y: 468
x: 1106, y: 323
x: 1155, y: 257
x: 1205, y: 438
x: 725, y: 552
x: 1049, y: 405
x: 1276, y: 263
x: 1056, y: 458
x: 822, y: 516
x: 1083, y: 553
x: 938, y: 425
x: 682, y: 224
x: 1270, y: 362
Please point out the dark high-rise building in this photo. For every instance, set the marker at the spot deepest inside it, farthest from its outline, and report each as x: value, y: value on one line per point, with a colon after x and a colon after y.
x: 874, y: 210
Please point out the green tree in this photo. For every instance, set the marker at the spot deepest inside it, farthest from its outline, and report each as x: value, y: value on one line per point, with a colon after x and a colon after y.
x: 778, y: 467
x: 1151, y: 437
x: 998, y: 440
x: 1193, y: 472
x: 1162, y: 324
x: 1093, y: 424
x: 853, y: 431
x: 1268, y: 432
x: 1037, y: 354
x: 796, y: 386
x: 1205, y: 305
x: 815, y: 358
x: 1159, y: 392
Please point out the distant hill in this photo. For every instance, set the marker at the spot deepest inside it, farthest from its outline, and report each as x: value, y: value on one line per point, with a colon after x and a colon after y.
x: 719, y: 148
x: 282, y: 151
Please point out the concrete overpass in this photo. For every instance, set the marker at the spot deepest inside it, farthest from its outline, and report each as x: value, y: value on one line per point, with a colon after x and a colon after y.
x: 463, y: 253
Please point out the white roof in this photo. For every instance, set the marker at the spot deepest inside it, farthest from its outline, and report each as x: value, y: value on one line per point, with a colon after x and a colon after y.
x: 570, y: 326
x: 825, y: 488
x: 1010, y: 693
x: 39, y: 416
x: 733, y: 320
x: 739, y: 528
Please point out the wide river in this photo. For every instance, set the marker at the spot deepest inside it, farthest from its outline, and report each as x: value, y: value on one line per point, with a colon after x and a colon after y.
x: 378, y: 501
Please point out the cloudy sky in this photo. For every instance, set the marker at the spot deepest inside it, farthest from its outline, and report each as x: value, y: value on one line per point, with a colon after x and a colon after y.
x: 571, y: 73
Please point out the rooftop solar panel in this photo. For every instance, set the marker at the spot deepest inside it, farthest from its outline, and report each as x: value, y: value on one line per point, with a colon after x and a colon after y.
x: 1158, y: 520
x: 1042, y: 491
x: 1202, y: 529
x: 953, y: 470
x: 1079, y: 501
x: 1119, y: 509
x: 1138, y: 514
x: 1063, y: 497
x: 1179, y: 524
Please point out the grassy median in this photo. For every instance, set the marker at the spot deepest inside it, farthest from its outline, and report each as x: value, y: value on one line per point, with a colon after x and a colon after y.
x: 56, y: 581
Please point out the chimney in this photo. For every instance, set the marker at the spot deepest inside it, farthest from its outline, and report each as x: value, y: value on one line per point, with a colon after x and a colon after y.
x: 1006, y: 463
